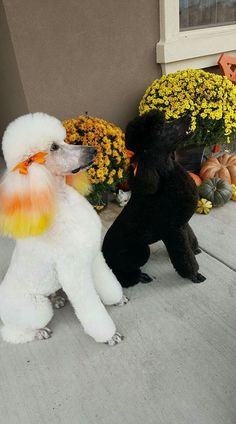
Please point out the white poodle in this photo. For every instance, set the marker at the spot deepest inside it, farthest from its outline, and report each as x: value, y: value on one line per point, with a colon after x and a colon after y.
x: 58, y: 235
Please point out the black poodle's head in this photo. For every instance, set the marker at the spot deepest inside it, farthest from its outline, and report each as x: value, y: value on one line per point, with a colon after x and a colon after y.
x: 150, y: 134
x: 153, y: 139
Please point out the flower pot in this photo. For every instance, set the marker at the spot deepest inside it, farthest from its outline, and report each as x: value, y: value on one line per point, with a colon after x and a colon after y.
x: 190, y: 157
x: 99, y: 200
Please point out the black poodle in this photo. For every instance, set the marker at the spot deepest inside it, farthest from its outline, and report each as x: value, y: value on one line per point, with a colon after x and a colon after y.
x: 164, y: 197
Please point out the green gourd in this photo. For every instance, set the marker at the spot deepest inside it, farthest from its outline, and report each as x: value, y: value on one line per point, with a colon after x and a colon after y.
x: 216, y: 190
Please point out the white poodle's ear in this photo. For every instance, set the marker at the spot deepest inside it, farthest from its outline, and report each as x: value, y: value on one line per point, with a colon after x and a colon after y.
x: 27, y: 202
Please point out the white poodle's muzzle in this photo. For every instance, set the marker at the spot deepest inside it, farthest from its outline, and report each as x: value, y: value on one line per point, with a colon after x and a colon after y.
x: 65, y: 159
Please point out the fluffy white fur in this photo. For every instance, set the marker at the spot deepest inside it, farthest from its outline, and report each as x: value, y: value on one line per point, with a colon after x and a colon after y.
x: 30, y: 134
x: 67, y: 255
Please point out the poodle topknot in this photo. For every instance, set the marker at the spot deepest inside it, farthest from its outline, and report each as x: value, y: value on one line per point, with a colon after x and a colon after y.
x: 57, y: 232
x: 30, y: 134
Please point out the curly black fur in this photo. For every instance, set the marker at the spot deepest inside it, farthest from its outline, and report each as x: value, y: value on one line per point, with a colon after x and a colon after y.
x: 164, y: 197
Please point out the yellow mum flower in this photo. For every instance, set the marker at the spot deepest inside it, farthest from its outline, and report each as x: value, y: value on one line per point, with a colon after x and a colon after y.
x: 100, y: 173
x: 109, y: 142
x: 208, y: 97
x: 74, y: 137
x: 99, y: 207
x: 107, y: 161
x: 120, y: 173
x: 91, y: 172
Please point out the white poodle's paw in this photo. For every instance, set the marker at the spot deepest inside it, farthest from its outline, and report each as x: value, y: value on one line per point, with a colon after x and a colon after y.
x: 43, y: 333
x: 123, y: 301
x: 58, y: 301
x: 117, y: 338
x: 16, y: 335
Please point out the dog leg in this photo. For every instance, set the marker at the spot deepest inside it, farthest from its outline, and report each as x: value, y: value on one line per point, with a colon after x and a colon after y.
x: 17, y: 335
x: 182, y: 256
x: 127, y: 278
x: 128, y: 262
x: 106, y: 284
x: 193, y: 240
x: 79, y: 286
x: 24, y: 317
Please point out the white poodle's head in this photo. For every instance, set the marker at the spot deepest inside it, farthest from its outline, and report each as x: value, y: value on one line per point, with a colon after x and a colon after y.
x: 39, y: 132
x: 35, y: 152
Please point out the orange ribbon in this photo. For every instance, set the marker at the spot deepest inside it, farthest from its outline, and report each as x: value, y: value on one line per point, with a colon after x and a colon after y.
x: 129, y: 153
x: 23, y: 166
x: 134, y: 165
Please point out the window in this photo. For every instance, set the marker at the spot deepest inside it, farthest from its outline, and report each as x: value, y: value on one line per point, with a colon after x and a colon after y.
x: 206, y: 13
x: 193, y: 33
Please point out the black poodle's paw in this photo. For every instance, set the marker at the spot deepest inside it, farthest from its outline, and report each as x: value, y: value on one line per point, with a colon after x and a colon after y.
x: 197, y: 251
x: 198, y: 278
x: 144, y: 278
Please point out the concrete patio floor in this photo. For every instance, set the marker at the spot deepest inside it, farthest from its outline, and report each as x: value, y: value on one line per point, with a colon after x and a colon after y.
x: 176, y: 365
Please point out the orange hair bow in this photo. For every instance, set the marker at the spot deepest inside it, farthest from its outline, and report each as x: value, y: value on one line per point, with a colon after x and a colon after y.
x: 134, y: 165
x: 23, y: 166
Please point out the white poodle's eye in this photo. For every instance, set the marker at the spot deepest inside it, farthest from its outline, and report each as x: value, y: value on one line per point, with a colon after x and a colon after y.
x: 54, y: 147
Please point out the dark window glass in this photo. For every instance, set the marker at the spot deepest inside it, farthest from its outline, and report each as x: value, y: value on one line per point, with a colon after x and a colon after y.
x: 196, y: 14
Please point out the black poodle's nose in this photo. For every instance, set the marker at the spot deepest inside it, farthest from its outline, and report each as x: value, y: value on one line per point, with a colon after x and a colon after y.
x: 187, y: 122
x: 187, y: 117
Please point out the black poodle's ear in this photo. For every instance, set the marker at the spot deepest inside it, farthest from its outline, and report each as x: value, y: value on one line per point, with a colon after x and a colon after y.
x: 133, y: 133
x: 146, y: 181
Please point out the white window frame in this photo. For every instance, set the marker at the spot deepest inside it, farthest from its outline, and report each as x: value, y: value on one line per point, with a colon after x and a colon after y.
x: 198, y: 48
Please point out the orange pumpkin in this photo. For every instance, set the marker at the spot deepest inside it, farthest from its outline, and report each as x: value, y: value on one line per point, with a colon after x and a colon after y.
x: 223, y: 167
x: 196, y: 178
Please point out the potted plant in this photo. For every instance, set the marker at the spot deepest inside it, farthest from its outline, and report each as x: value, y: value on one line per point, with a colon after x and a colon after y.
x: 209, y: 98
x: 109, y: 167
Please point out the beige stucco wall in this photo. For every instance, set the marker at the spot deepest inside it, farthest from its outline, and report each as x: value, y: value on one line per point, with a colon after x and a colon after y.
x: 12, y: 97
x: 75, y: 56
